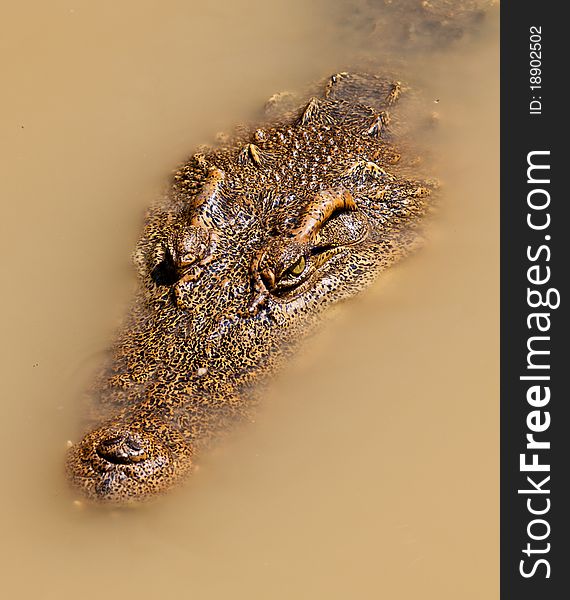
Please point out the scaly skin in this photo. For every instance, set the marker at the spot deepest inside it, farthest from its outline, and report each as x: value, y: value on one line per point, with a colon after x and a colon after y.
x: 254, y: 241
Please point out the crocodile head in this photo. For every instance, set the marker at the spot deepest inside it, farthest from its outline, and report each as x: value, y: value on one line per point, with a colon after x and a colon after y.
x: 254, y: 240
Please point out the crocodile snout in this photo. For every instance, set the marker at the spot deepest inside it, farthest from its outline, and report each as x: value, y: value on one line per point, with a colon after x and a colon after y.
x: 126, y: 463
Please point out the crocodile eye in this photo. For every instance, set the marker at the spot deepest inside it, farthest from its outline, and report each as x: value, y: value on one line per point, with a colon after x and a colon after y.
x: 298, y: 267
x: 165, y: 272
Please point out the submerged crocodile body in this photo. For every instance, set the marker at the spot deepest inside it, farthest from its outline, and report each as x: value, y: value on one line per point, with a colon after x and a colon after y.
x: 254, y: 240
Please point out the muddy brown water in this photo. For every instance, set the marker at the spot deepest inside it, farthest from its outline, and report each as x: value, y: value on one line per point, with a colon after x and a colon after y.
x: 372, y: 470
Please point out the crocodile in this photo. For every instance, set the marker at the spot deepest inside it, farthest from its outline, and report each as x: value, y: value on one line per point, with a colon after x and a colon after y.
x: 257, y: 236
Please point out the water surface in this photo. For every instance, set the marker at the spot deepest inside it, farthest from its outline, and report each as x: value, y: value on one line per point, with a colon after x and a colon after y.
x: 372, y: 469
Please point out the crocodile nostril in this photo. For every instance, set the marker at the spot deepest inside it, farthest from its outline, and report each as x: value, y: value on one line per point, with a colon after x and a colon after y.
x: 134, y: 445
x: 122, y: 449
x: 111, y: 441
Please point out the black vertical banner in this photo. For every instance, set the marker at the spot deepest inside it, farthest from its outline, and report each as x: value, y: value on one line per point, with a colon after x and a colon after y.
x: 535, y: 248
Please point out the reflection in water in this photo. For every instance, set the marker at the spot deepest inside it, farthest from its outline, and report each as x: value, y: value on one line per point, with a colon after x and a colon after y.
x: 371, y: 469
